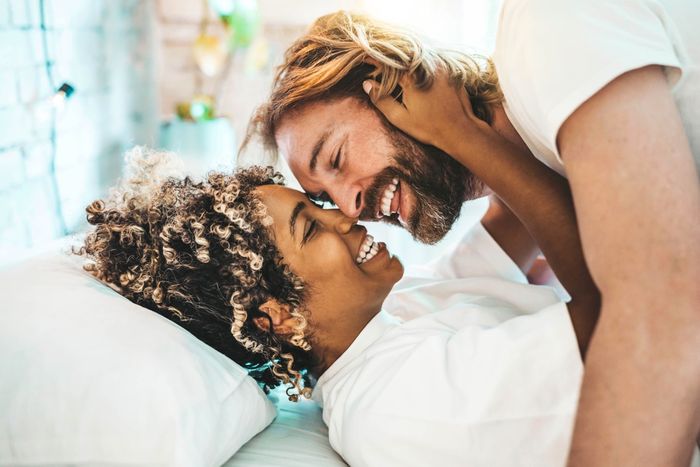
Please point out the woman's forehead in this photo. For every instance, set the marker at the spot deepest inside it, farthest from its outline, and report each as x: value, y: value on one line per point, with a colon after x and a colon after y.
x: 279, y: 194
x: 281, y: 202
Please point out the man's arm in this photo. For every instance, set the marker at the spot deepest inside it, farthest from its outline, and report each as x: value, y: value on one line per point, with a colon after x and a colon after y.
x: 637, y: 200
x: 510, y: 234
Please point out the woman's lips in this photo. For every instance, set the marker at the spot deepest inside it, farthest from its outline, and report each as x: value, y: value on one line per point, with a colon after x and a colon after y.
x: 380, y: 252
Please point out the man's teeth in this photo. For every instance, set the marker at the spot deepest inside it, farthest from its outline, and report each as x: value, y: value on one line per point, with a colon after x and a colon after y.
x: 368, y: 250
x: 388, y: 196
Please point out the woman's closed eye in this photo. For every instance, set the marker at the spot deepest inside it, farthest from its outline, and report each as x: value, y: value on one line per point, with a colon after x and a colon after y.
x: 309, y: 231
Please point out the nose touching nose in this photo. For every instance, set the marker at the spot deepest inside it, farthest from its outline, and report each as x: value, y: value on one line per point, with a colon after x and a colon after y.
x: 352, y: 203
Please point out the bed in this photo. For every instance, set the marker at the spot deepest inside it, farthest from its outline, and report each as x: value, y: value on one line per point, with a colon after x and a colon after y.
x: 296, y: 437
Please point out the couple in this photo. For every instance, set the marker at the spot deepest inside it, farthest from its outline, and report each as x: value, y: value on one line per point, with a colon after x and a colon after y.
x: 458, y: 363
x: 239, y: 254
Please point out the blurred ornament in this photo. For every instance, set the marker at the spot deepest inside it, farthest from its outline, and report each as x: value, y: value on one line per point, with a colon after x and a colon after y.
x: 223, y: 7
x: 243, y: 22
x: 258, y: 55
x: 210, y: 54
x: 200, y: 108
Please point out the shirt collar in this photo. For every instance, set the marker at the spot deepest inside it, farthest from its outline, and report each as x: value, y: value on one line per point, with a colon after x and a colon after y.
x: 373, y: 330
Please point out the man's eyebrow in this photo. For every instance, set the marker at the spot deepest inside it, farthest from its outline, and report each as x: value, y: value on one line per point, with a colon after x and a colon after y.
x: 317, y: 149
x: 293, y: 218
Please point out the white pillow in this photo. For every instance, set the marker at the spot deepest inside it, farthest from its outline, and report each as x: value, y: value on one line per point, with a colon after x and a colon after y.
x: 87, y: 377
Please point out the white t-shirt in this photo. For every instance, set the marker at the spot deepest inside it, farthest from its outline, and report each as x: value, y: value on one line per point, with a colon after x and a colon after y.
x: 553, y: 55
x: 466, y: 365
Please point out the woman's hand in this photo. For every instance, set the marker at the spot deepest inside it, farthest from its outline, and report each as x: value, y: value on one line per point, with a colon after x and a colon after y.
x: 439, y: 116
x: 442, y: 116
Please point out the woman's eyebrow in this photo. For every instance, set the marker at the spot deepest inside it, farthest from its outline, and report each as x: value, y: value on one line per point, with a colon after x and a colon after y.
x: 295, y: 213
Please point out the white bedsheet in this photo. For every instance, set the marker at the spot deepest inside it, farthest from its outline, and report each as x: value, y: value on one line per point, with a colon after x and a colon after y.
x: 297, y: 438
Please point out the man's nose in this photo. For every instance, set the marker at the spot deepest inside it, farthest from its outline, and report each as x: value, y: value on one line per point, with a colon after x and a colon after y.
x: 351, y: 202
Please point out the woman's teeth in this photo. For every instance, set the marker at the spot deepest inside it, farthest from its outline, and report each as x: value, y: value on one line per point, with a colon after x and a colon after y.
x: 388, y: 196
x: 368, y: 250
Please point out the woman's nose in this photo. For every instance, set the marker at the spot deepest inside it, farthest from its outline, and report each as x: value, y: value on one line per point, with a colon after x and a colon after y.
x: 343, y: 224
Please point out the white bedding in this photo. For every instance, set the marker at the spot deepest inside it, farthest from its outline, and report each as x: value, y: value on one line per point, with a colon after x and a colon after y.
x: 296, y: 438
x: 299, y: 438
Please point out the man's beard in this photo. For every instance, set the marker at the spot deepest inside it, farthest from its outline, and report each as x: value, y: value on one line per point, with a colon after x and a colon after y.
x: 440, y: 184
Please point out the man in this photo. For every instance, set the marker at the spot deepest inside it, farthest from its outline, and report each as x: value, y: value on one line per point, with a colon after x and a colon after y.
x: 587, y: 90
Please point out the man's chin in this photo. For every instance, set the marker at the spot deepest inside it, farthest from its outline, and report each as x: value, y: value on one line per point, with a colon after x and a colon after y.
x: 424, y: 231
x: 421, y: 232
x: 428, y: 238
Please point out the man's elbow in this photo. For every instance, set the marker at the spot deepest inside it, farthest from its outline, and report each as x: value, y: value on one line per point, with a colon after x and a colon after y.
x: 668, y: 288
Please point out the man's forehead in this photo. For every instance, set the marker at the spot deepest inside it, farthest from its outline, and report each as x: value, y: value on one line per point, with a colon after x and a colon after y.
x: 298, y: 137
x: 306, y: 123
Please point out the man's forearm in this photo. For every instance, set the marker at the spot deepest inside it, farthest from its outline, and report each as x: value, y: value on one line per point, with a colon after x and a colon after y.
x: 649, y: 401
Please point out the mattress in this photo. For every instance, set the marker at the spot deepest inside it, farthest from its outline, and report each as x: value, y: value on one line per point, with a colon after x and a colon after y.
x: 296, y: 438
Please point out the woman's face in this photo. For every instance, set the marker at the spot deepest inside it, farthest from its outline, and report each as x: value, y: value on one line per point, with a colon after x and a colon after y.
x: 322, y: 247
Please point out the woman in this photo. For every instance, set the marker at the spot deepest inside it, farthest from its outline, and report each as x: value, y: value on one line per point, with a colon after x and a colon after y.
x: 485, y: 369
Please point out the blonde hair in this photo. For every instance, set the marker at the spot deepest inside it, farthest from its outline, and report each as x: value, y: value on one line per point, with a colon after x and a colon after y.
x: 342, y: 49
x: 201, y: 254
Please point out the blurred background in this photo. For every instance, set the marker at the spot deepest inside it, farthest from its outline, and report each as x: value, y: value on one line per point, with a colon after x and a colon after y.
x: 82, y: 81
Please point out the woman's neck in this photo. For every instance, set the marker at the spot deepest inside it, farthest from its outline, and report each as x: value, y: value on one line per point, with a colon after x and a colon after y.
x: 328, y: 346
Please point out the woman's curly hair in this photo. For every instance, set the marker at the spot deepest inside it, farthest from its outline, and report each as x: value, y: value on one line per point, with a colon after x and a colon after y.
x: 201, y: 254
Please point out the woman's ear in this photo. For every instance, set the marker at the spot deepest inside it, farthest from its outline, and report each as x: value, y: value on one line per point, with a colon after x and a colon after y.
x: 283, y: 322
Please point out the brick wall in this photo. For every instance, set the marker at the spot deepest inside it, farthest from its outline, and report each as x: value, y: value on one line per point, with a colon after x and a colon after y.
x: 105, y: 49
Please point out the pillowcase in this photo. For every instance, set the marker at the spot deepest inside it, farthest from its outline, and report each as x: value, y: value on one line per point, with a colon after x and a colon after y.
x: 87, y: 377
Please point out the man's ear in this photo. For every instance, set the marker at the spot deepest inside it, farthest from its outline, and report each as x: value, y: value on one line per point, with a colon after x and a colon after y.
x: 283, y: 322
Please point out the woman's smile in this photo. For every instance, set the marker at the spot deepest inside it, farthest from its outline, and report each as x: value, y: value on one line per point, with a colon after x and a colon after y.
x: 378, y: 250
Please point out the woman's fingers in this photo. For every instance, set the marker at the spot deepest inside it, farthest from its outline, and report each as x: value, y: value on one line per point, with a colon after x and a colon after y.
x: 390, y: 107
x: 469, y: 110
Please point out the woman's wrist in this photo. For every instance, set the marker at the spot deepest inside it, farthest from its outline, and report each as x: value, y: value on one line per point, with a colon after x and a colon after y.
x: 465, y: 142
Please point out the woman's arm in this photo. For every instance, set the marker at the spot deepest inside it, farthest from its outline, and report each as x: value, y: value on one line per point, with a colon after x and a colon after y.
x: 542, y: 201
x: 442, y: 116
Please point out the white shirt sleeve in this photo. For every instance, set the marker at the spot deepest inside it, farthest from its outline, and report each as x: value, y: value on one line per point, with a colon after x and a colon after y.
x: 477, y: 254
x: 553, y: 55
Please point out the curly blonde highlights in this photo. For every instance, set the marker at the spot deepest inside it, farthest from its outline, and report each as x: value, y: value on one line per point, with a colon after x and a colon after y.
x: 343, y: 49
x: 201, y: 254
